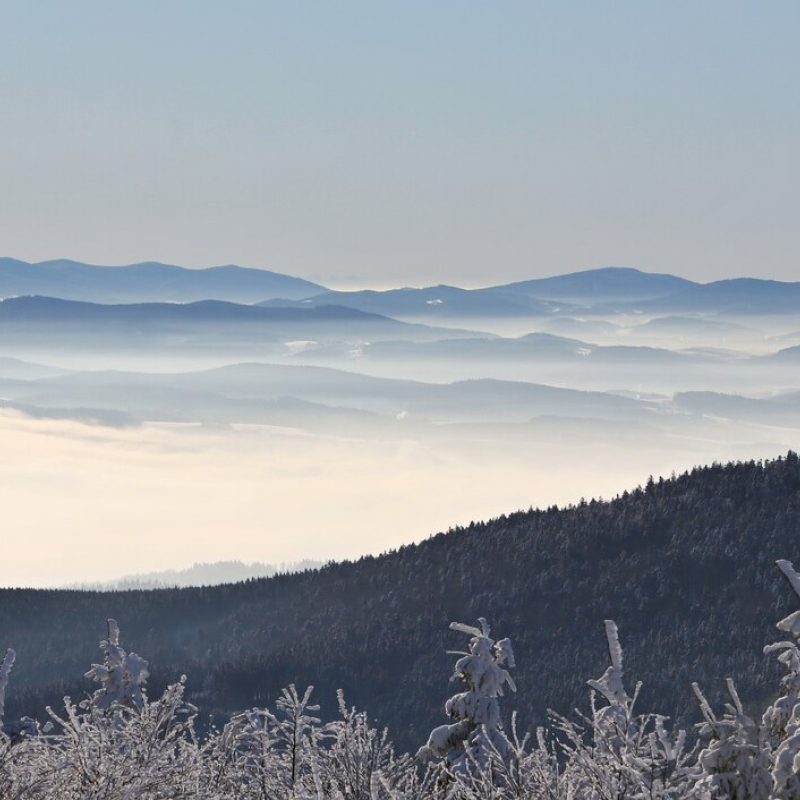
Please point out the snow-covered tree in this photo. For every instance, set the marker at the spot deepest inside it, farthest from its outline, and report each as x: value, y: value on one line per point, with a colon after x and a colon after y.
x: 744, y: 759
x: 297, y: 729
x: 476, y: 710
x: 5, y: 671
x: 616, y: 753
x: 266, y: 755
x: 122, y: 676
x: 614, y: 723
x: 781, y: 721
x: 733, y: 765
x: 13, y: 729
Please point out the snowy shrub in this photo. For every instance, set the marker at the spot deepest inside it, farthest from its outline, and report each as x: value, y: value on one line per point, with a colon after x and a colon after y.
x: 149, y: 752
x: 360, y: 763
x: 263, y: 755
x: 117, y: 745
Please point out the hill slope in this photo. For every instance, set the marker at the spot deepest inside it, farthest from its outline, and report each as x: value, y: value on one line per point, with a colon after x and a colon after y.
x: 685, y: 566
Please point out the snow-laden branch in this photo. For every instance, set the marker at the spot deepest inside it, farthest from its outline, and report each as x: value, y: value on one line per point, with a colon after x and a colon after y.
x: 5, y: 671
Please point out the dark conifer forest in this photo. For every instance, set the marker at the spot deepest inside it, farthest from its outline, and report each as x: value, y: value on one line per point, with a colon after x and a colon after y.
x: 685, y: 566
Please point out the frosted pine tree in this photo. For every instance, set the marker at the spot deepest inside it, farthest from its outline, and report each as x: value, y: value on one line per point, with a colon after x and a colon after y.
x: 598, y: 755
x: 12, y: 729
x: 781, y: 721
x: 618, y: 754
x: 5, y: 671
x: 614, y: 723
x: 122, y: 676
x: 476, y: 710
x: 757, y: 762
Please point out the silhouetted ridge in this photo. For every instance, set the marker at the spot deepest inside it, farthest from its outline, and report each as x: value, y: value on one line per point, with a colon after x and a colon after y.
x: 149, y: 281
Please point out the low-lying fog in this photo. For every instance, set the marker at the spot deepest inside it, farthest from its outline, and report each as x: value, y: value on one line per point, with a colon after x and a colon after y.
x: 135, y: 444
x: 86, y: 502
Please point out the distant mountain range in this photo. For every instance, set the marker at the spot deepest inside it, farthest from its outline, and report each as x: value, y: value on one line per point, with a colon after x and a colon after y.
x: 147, y: 282
x: 535, y: 298
x: 53, y: 323
x: 202, y: 574
x: 17, y: 369
x: 305, y: 397
x: 432, y: 302
x: 605, y: 290
x: 533, y: 376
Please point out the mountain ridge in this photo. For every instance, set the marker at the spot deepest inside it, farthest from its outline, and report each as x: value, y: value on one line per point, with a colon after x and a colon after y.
x: 149, y: 280
x: 602, y: 289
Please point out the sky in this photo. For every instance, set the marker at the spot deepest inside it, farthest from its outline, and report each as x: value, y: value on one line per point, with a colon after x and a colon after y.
x: 373, y: 143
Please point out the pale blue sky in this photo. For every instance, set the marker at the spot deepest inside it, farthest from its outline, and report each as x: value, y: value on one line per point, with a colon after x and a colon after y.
x: 390, y: 143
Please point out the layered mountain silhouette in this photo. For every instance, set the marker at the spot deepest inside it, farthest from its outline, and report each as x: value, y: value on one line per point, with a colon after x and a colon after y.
x: 34, y: 320
x: 432, y: 302
x: 605, y: 290
x: 150, y: 281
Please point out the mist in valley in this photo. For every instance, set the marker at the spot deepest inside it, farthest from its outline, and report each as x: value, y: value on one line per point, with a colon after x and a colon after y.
x: 148, y: 436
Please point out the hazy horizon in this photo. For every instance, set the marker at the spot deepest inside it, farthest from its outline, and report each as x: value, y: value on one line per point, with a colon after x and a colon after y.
x: 377, y: 144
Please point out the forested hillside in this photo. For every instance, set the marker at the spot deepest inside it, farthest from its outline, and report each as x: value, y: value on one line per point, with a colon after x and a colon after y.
x: 685, y: 566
